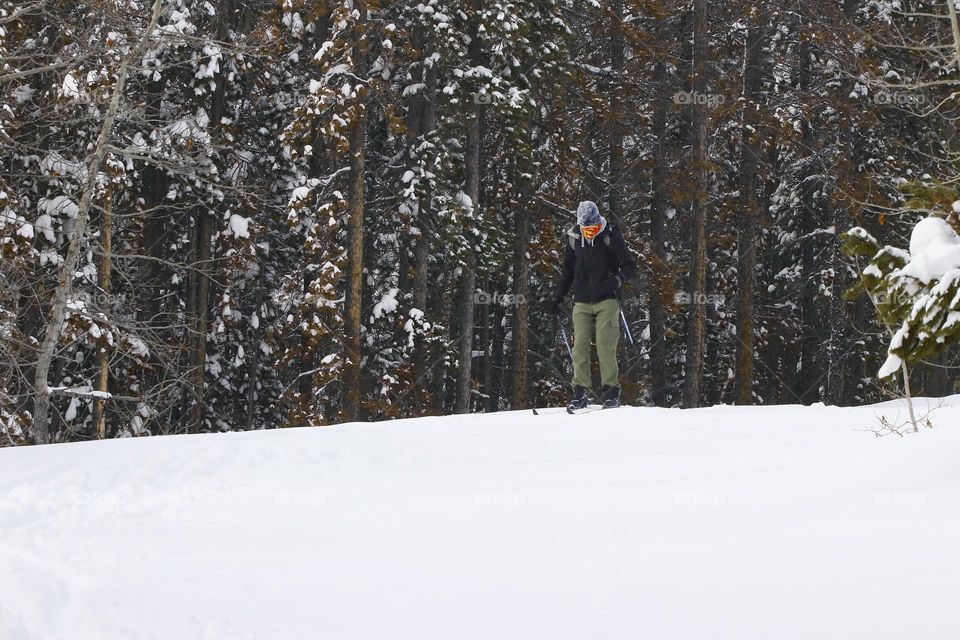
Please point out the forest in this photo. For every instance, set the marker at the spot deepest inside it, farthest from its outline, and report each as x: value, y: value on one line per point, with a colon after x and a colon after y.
x: 222, y: 215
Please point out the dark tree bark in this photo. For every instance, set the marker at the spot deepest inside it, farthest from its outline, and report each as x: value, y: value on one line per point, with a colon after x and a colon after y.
x: 615, y: 92
x: 198, y: 309
x: 468, y: 278
x: 201, y: 274
x: 658, y: 208
x: 424, y: 111
x: 102, y: 381
x: 697, y: 314
x: 354, y: 271
x: 839, y: 348
x: 495, y: 385
x: 749, y: 214
x: 521, y: 315
x: 809, y: 375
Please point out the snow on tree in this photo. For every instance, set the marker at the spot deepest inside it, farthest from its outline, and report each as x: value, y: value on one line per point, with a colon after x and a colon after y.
x: 917, y: 293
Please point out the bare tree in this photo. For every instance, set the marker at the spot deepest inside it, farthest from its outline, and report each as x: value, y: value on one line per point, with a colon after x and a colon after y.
x: 54, y: 327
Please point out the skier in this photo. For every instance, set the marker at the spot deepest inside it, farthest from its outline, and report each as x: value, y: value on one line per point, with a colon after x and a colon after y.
x: 596, y: 264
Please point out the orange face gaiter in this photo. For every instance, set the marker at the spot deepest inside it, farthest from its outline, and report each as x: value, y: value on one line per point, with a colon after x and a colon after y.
x: 590, y: 231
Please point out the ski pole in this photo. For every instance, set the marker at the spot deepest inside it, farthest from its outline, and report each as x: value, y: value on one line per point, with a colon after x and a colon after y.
x: 566, y: 342
x: 626, y: 327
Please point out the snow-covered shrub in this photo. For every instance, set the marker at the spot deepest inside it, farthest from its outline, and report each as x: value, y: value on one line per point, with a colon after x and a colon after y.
x: 916, y: 292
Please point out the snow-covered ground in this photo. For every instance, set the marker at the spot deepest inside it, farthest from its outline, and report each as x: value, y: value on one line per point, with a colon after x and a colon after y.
x: 770, y: 522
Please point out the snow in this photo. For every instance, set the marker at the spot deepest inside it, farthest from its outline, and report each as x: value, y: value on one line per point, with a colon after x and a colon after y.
x: 23, y: 93
x: 58, y: 205
x: 70, y: 88
x: 44, y: 225
x: 388, y: 303
x: 934, y: 250
x: 299, y: 194
x: 322, y: 51
x: 725, y: 523
x: 210, y: 68
x: 26, y: 230
x: 873, y: 270
x: 239, y: 226
x: 893, y: 363
x: 415, y: 315
x: 294, y: 22
x: 465, y: 200
x: 71, y: 413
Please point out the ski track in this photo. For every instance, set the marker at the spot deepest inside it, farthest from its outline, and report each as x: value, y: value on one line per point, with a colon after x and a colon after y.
x: 729, y: 522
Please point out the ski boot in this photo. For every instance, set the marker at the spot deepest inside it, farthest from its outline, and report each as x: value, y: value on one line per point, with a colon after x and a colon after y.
x: 581, y: 398
x: 610, y: 398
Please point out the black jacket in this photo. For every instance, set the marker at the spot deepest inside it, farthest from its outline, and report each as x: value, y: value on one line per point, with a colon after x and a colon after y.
x: 596, y: 270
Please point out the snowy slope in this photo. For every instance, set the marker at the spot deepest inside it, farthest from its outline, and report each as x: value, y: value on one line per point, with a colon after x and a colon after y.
x: 770, y: 522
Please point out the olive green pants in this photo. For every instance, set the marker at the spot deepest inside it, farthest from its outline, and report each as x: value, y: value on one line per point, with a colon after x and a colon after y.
x: 603, y: 319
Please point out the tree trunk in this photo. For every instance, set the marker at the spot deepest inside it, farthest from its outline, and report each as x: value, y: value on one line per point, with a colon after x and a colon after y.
x: 749, y: 213
x: 485, y: 374
x: 697, y: 329
x: 615, y: 199
x: 658, y: 208
x: 253, y: 368
x: 521, y: 313
x: 468, y: 281
x: 445, y: 311
x: 495, y: 389
x: 64, y: 288
x: 425, y: 114
x: 198, y: 311
x: 469, y: 277
x: 353, y: 311
x: 808, y: 381
x: 840, y: 349
x: 102, y: 381
x: 203, y: 267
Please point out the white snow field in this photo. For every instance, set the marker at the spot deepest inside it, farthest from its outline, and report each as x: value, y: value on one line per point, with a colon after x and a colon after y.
x: 768, y: 522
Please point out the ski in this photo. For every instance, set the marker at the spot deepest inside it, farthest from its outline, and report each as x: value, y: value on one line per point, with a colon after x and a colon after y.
x: 575, y: 412
x: 548, y: 411
x: 587, y: 409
